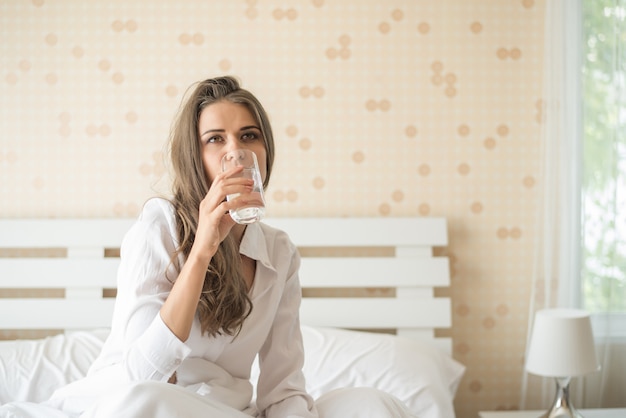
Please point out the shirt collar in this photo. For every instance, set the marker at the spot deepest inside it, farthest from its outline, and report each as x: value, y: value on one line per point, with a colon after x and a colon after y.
x: 254, y: 245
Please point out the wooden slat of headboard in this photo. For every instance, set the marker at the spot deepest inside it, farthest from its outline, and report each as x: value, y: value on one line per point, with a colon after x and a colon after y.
x: 363, y: 313
x: 108, y: 233
x: 356, y: 232
x: 61, y: 273
x: 374, y: 272
x: 63, y: 233
x: 315, y: 272
x: 68, y: 314
x: 375, y: 313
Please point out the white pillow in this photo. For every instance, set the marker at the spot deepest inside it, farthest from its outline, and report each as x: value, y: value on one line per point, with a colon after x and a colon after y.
x: 30, y: 370
x: 422, y: 376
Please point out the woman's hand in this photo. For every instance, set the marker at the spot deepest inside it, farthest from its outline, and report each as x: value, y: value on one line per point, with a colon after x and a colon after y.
x: 214, y: 221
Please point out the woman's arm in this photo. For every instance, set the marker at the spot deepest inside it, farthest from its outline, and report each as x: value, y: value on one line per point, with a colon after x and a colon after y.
x: 179, y: 308
x: 214, y: 225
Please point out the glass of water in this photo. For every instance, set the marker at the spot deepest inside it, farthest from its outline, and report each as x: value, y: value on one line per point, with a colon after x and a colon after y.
x: 254, y: 210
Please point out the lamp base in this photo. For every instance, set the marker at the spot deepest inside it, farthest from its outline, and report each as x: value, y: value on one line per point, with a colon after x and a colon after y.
x: 562, y: 408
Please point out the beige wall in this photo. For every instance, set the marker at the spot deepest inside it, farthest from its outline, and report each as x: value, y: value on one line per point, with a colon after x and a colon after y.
x: 380, y: 108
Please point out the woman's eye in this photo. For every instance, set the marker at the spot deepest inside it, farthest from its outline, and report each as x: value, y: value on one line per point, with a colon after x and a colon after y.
x: 249, y: 136
x: 213, y: 139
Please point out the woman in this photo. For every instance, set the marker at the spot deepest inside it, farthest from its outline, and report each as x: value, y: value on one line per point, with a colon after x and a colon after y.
x: 199, y: 296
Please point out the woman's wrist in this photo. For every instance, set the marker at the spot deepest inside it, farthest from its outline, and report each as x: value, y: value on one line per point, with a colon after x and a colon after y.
x: 200, y: 256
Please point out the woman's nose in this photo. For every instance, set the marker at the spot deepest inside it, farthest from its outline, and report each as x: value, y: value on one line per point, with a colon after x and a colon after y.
x: 232, y: 145
x: 234, y: 153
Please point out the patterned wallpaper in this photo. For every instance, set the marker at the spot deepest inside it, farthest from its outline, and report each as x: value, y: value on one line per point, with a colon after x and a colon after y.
x: 380, y: 108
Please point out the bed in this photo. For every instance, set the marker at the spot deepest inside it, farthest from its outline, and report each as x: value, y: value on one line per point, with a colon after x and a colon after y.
x: 372, y: 311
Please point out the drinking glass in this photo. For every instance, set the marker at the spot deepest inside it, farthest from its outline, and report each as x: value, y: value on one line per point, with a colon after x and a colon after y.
x: 254, y: 210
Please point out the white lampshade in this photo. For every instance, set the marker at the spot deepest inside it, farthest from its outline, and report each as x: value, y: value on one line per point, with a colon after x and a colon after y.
x: 561, y: 344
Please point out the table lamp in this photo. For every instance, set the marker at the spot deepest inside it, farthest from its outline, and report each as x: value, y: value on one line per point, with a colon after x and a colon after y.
x: 561, y: 346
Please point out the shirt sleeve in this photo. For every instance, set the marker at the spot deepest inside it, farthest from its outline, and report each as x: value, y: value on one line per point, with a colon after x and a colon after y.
x: 281, y: 386
x: 150, y: 351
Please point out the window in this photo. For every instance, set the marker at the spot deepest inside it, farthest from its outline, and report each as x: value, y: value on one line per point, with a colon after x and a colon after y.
x: 604, y: 156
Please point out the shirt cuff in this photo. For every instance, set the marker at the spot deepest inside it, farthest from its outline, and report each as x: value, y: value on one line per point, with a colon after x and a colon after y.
x: 161, y: 350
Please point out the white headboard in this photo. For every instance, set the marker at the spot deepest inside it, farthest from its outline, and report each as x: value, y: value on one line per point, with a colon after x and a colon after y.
x: 359, y: 273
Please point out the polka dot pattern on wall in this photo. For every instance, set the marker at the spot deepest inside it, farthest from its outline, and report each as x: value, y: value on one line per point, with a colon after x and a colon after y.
x: 423, y: 28
x: 489, y: 323
x: 476, y: 207
x: 193, y: 39
x: 78, y: 52
x: 225, y: 65
x: 384, y: 209
x: 305, y: 144
x: 463, y: 169
x: 318, y: 183
x: 171, y: 90
x: 475, y: 386
x: 540, y: 106
x: 316, y: 92
x: 373, y: 105
x: 129, y: 26
x: 65, y: 129
x: 410, y: 131
x: 289, y: 196
x: 513, y: 53
x: 51, y: 39
x: 131, y: 117
x: 343, y: 51
x: 397, y: 196
x: 153, y: 168
x: 423, y: 170
x: 528, y: 182
x: 396, y: 15
x: 423, y: 209
x: 502, y: 310
x: 358, y: 157
x: 287, y: 14
x: 463, y: 310
x: 476, y: 27
x: 463, y: 130
x: 513, y: 233
x: 462, y: 349
x: 446, y: 80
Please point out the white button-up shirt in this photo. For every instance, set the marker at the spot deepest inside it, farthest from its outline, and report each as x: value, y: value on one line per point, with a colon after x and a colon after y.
x: 144, y: 347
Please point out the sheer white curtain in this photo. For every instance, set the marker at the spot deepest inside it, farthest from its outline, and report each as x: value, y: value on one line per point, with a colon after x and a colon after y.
x: 560, y: 259
x: 558, y: 231
x: 604, y: 200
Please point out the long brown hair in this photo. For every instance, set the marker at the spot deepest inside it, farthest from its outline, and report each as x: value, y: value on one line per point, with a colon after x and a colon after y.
x: 224, y: 303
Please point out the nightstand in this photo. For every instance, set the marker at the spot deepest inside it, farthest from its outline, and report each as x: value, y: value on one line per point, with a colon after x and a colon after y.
x: 587, y: 413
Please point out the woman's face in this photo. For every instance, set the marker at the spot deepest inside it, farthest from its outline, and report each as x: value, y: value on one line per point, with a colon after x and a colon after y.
x: 226, y: 126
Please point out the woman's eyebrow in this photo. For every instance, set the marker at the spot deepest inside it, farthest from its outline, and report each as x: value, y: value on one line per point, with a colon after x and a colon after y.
x: 243, y: 128
x: 208, y: 131
x: 250, y: 127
